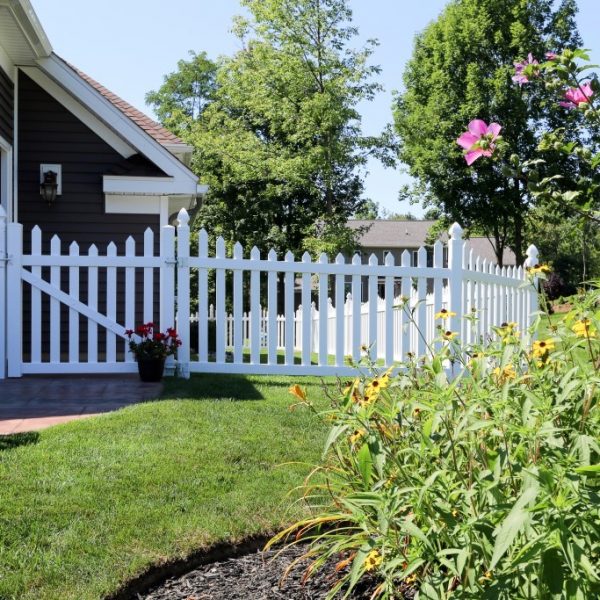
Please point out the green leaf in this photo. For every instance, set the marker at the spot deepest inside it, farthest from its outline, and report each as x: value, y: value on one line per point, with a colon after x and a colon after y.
x: 512, y: 524
x: 553, y: 571
x: 334, y: 434
x: 365, y: 463
x: 591, y: 470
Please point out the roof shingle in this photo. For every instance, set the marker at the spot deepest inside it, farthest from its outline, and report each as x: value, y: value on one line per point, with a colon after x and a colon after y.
x: 163, y: 136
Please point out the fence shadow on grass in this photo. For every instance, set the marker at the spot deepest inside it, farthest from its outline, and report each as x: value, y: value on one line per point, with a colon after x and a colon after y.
x: 207, y: 386
x: 14, y: 440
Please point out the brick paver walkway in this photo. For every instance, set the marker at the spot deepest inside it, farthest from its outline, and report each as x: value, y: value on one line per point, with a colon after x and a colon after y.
x: 33, y: 403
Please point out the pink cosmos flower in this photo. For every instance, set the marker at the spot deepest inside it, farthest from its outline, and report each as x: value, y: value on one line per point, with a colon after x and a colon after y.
x: 520, y: 67
x: 551, y: 55
x: 577, y: 96
x: 479, y: 140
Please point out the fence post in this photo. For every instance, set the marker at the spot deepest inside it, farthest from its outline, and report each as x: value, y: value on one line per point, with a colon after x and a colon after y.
x: 14, y: 301
x: 167, y: 283
x: 3, y: 295
x: 532, y: 295
x: 183, y: 292
x: 455, y: 285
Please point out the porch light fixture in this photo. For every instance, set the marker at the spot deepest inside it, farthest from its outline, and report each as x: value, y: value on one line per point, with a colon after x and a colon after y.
x: 50, y: 182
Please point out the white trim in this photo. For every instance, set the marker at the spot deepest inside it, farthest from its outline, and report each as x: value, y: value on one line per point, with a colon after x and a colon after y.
x: 80, y: 111
x: 179, y: 148
x: 184, y: 179
x: 158, y: 186
x: 7, y: 65
x: 30, y: 26
x: 6, y: 177
x: 15, y: 177
x: 134, y: 205
x: 164, y: 211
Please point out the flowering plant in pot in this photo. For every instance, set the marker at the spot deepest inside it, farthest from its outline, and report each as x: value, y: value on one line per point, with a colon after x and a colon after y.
x: 152, y: 349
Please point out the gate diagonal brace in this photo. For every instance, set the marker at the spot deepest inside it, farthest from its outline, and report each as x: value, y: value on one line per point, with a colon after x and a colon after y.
x: 81, y: 308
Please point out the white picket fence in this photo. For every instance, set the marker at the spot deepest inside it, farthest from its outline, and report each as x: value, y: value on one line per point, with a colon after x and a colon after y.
x: 398, y: 306
x: 77, y: 306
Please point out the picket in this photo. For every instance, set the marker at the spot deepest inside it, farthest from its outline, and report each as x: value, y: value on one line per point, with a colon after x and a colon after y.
x: 382, y: 306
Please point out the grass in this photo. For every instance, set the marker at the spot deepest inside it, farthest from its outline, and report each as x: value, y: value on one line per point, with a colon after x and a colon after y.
x: 87, y: 505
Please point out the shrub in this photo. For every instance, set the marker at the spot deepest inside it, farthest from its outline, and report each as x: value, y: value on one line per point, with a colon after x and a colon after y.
x: 485, y: 485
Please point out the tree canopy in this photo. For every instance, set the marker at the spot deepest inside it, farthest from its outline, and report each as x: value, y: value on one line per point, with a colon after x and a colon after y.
x: 277, y: 132
x: 461, y: 69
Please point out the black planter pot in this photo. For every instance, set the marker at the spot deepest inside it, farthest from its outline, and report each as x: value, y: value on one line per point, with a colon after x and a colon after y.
x: 151, y: 369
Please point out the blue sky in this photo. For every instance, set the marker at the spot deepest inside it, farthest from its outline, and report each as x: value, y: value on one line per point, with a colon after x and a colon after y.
x: 128, y: 45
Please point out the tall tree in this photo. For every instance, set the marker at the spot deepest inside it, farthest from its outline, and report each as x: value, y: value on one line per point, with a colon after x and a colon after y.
x: 185, y: 93
x: 461, y: 69
x: 280, y: 142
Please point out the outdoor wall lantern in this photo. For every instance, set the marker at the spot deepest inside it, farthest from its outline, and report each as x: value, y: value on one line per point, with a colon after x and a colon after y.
x: 50, y: 182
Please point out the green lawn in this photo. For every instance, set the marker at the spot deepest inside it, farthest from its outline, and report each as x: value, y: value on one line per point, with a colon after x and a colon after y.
x: 87, y: 505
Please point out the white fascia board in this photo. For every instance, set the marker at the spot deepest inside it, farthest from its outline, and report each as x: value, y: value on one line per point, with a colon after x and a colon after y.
x: 31, y: 26
x: 184, y: 178
x: 7, y: 65
x: 80, y: 111
x: 116, y: 184
x: 179, y: 148
x: 132, y: 205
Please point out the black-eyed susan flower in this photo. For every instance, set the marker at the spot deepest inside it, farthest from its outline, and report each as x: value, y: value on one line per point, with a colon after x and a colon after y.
x: 444, y: 314
x: 357, y: 436
x: 373, y: 560
x: 449, y: 335
x: 541, y: 348
x: 584, y: 328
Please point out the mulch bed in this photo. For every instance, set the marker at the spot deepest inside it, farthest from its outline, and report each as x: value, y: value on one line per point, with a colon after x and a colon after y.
x: 258, y: 576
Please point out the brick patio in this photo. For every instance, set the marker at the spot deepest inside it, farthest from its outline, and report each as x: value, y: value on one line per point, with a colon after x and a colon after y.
x: 33, y: 403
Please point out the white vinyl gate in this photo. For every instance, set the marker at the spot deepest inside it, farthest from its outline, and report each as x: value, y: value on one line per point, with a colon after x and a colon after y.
x: 67, y: 313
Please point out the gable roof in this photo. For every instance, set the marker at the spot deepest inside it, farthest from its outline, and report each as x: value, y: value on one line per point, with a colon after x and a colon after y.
x: 392, y: 234
x: 163, y: 136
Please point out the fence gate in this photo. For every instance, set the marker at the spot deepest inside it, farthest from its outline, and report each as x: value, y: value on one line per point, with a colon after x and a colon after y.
x: 67, y: 313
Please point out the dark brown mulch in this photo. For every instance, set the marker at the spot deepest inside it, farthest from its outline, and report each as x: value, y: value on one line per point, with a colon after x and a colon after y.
x: 258, y: 576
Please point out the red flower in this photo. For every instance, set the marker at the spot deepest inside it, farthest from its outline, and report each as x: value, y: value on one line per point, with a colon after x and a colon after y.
x: 171, y: 332
x: 129, y: 332
x: 141, y: 330
x: 159, y: 337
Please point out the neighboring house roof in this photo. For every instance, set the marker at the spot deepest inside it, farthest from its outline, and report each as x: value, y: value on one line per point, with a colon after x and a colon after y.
x: 158, y: 132
x: 391, y: 234
x: 382, y: 233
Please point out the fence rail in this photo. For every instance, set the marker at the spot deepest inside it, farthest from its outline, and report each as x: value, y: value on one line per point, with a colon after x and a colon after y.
x: 67, y: 313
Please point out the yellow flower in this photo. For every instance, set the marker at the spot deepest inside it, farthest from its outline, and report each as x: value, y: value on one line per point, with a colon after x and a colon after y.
x: 356, y: 436
x: 542, y: 348
x: 449, y: 335
x: 584, y: 328
x: 505, y: 374
x: 487, y: 576
x: 538, y: 269
x: 411, y: 579
x: 508, y: 330
x: 351, y: 387
x: 374, y: 559
x: 444, y: 314
x: 297, y: 391
x: 455, y: 513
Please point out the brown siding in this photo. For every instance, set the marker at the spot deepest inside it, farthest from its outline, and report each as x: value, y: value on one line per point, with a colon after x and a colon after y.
x: 48, y: 133
x: 6, y: 107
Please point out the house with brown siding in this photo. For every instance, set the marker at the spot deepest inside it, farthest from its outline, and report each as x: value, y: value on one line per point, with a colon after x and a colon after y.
x: 118, y: 171
x: 115, y: 171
